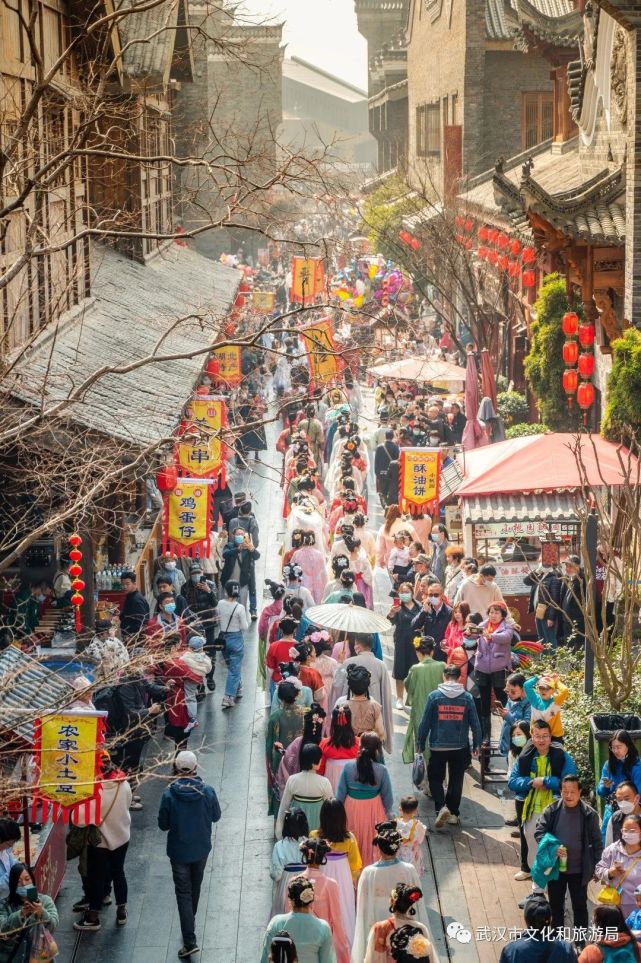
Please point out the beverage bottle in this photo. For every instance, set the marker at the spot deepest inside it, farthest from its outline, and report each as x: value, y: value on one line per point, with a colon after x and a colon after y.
x: 563, y: 860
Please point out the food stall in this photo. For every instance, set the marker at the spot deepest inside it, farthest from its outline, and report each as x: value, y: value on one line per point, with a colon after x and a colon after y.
x: 432, y: 371
x: 516, y: 526
x: 27, y: 687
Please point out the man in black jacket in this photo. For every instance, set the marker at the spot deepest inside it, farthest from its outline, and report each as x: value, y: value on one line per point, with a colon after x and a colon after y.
x: 384, y: 455
x: 434, y: 618
x: 201, y: 614
x: 135, y: 609
x: 131, y: 705
x: 628, y: 804
x: 576, y: 826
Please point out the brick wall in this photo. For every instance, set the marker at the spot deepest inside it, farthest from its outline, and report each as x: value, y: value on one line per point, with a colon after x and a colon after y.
x: 508, y: 75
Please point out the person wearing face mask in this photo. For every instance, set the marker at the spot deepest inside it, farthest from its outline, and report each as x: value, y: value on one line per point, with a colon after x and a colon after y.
x: 18, y: 916
x: 576, y: 826
x: 168, y: 566
x: 622, y: 763
x: 620, y: 864
x: 107, y: 653
x: 433, y: 618
x: 628, y: 802
x: 201, y: 614
x: 402, y: 616
x: 240, y: 556
x: 167, y: 628
x: 480, y: 590
x: 517, y: 740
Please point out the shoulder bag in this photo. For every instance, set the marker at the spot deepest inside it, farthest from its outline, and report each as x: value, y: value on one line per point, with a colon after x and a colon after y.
x: 611, y: 895
x: 220, y: 641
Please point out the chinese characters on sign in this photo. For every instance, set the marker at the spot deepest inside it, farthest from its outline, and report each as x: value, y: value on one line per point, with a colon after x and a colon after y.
x: 203, y: 457
x: 66, y: 756
x: 420, y: 471
x: 263, y: 301
x: 229, y: 360
x: 524, y: 529
x: 308, y: 279
x: 324, y: 363
x: 187, y: 518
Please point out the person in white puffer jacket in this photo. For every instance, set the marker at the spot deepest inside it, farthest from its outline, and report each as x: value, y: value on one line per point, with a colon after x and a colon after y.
x: 106, y: 859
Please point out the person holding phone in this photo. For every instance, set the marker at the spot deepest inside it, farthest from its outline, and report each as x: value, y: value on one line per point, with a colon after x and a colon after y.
x: 22, y: 910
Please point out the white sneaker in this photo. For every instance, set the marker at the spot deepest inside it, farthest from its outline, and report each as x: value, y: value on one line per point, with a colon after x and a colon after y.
x: 228, y: 702
x: 400, y: 705
x: 442, y: 817
x: 454, y: 821
x: 521, y: 875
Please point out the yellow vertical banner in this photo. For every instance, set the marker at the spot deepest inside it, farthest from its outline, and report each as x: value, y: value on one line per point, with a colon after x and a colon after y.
x: 229, y: 360
x: 203, y: 456
x: 66, y: 747
x: 187, y: 517
x: 263, y: 301
x: 308, y: 279
x: 419, y: 479
x: 324, y: 363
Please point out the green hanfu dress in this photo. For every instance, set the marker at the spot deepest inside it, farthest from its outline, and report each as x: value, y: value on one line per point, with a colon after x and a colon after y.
x: 421, y: 680
x: 285, y: 725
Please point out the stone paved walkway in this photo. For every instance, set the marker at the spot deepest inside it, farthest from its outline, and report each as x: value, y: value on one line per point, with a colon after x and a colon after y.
x: 468, y: 873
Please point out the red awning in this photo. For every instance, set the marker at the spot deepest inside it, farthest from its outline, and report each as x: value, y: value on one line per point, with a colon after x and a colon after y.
x: 541, y: 463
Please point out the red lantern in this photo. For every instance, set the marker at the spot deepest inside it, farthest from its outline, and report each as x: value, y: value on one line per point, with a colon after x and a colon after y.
x: 415, y: 244
x: 570, y: 353
x: 514, y: 269
x: 483, y: 233
x: 404, y: 236
x: 529, y: 279
x: 469, y: 244
x: 75, y: 555
x: 585, y: 398
x: 504, y: 262
x: 515, y: 248
x: 570, y: 324
x: 586, y: 365
x: 587, y: 334
x: 459, y: 239
x: 167, y: 478
x: 482, y: 252
x: 469, y: 224
x: 75, y: 570
x: 213, y: 367
x: 78, y: 584
x: 75, y: 540
x: 77, y: 599
x: 493, y: 236
x: 503, y: 241
x: 459, y: 221
x: 570, y: 383
x: 529, y: 255
x: 492, y: 257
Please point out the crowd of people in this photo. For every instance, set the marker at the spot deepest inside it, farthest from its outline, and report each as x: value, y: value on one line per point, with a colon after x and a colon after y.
x: 350, y: 847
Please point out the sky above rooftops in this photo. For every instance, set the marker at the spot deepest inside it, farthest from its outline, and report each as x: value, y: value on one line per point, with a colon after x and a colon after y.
x: 322, y: 32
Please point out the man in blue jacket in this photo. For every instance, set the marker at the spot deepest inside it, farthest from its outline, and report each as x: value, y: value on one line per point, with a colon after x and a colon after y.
x: 448, y: 717
x: 188, y: 808
x: 536, y: 777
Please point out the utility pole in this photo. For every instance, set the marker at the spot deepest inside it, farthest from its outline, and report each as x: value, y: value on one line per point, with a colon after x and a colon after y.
x: 591, y: 533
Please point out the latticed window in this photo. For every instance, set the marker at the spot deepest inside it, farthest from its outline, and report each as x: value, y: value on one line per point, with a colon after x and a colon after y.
x: 428, y: 130
x: 538, y: 118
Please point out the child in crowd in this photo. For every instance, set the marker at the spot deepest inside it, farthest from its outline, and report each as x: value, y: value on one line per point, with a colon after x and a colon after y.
x: 517, y: 709
x: 412, y: 832
x: 546, y: 694
x: 399, y: 562
x: 197, y: 666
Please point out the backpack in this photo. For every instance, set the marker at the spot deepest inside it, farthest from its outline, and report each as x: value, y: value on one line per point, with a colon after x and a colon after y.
x: 108, y: 700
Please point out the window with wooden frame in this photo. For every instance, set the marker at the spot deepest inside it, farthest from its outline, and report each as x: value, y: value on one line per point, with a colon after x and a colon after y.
x: 537, y: 123
x: 428, y: 130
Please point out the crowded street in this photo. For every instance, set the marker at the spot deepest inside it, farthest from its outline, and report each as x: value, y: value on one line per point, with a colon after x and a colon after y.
x: 320, y: 481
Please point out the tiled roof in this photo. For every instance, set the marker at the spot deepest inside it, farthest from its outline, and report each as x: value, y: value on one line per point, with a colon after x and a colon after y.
x: 585, y: 208
x: 135, y: 315
x: 150, y: 39
x: 544, y: 507
x: 26, y: 689
x: 554, y: 20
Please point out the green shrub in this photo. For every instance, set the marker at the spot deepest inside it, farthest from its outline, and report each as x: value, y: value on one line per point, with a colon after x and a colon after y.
x: 544, y: 362
x: 623, y: 410
x: 520, y: 431
x: 513, y: 407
